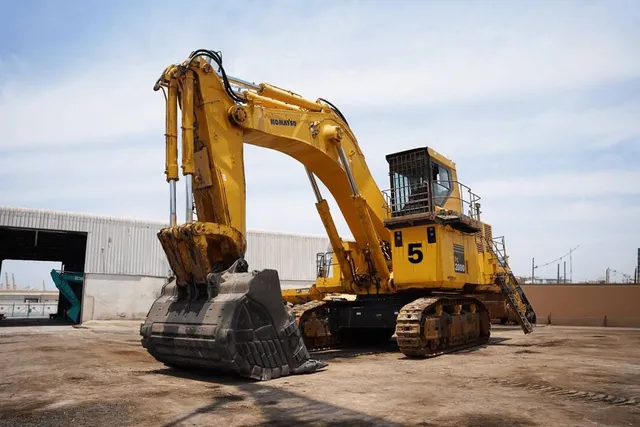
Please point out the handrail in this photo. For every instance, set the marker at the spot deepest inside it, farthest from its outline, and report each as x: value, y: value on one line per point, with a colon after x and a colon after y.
x: 324, y: 262
x: 417, y: 198
x: 500, y: 250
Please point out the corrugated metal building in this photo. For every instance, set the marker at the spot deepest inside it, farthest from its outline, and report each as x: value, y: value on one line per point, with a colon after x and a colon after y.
x: 125, y: 266
x: 114, y: 245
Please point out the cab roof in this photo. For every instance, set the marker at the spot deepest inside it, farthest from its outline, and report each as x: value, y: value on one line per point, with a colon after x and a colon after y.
x: 430, y: 151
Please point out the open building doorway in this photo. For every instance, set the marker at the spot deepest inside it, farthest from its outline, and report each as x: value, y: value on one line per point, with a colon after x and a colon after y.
x: 27, y: 290
x: 63, y: 254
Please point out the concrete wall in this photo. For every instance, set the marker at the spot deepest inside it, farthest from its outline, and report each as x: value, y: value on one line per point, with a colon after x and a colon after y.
x: 586, y: 304
x: 108, y: 297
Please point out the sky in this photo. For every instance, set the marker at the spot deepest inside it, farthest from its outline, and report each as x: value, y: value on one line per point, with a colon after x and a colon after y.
x: 537, y: 103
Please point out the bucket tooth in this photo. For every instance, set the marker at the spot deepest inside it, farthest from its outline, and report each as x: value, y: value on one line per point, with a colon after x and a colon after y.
x: 236, y: 322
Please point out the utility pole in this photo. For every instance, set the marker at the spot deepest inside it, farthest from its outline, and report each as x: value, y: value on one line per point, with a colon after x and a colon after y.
x: 533, y: 263
x: 638, y: 268
x: 558, y: 279
x: 570, y: 266
x: 565, y: 273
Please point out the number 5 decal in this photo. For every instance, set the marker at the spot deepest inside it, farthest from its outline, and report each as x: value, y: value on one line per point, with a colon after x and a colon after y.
x: 415, y: 253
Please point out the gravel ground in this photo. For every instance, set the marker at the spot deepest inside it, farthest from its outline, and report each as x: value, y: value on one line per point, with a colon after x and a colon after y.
x: 99, y: 375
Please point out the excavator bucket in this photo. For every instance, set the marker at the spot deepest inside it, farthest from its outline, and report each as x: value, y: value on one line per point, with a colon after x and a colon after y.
x: 236, y: 323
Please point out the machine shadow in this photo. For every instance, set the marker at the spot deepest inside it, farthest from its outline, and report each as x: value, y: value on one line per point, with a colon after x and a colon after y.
x: 203, y: 376
x: 492, y: 341
x: 505, y: 327
x: 463, y: 351
x: 34, y: 321
x: 279, y: 407
x: 391, y: 347
x: 355, y: 351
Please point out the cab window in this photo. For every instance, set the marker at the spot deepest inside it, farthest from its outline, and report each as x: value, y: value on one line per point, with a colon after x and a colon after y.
x: 441, y: 183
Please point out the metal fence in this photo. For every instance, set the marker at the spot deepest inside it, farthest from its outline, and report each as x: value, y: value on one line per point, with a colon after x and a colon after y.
x: 28, y: 309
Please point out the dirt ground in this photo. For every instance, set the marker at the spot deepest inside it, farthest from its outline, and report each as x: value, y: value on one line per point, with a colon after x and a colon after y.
x: 99, y: 375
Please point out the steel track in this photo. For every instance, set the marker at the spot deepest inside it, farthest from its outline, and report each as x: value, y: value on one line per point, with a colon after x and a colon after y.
x: 408, y: 329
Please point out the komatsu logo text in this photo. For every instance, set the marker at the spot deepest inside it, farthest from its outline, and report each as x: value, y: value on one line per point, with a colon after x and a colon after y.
x: 283, y: 122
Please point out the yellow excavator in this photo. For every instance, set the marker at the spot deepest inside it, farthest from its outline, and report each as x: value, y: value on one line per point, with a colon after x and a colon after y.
x: 420, y: 265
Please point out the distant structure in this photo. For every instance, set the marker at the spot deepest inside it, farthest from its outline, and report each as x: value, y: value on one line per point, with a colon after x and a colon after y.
x: 13, y: 286
x: 562, y: 279
x: 7, y: 285
x: 28, y: 303
x: 21, y: 296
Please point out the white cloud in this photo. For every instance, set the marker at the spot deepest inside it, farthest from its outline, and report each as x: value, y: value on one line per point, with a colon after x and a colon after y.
x: 482, y: 134
x: 83, y: 108
x: 576, y: 220
x: 381, y: 66
x: 567, y: 185
x: 418, y: 60
x: 104, y: 161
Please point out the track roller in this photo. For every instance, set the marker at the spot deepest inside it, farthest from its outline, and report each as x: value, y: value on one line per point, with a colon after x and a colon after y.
x: 429, y: 327
x: 313, y: 321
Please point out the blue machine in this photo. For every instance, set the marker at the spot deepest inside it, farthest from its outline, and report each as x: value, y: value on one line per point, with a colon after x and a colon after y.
x: 63, y: 281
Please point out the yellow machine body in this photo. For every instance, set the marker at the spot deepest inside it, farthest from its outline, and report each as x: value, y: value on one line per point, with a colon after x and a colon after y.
x: 418, y: 255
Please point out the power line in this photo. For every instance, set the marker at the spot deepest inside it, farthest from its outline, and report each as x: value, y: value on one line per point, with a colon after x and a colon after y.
x: 558, y: 259
x: 569, y: 254
x: 625, y: 275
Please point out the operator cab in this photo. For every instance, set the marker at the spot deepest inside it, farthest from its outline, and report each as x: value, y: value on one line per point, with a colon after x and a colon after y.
x: 424, y: 185
x: 421, y: 181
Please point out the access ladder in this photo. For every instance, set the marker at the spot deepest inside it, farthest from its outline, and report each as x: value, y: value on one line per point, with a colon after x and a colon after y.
x: 511, y: 289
